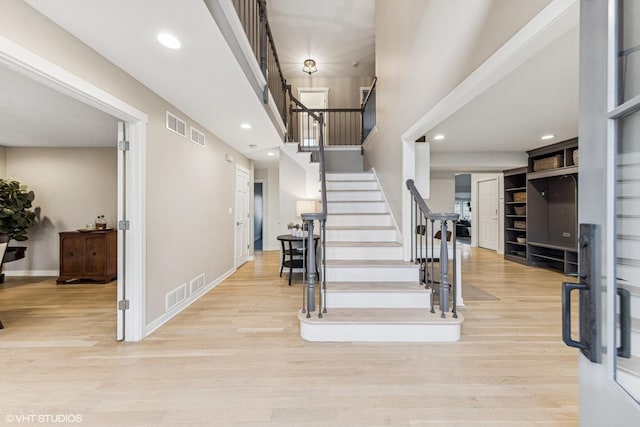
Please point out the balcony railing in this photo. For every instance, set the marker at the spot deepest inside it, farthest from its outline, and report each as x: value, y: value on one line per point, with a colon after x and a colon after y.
x: 253, y: 17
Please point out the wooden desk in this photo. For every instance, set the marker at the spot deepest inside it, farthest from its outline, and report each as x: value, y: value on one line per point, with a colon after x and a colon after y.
x: 88, y: 255
x: 291, y: 252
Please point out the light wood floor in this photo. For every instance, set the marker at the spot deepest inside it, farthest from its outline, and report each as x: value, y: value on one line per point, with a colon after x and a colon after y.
x: 234, y: 358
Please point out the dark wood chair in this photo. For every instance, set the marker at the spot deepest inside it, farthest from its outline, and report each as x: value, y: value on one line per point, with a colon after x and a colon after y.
x: 294, y: 256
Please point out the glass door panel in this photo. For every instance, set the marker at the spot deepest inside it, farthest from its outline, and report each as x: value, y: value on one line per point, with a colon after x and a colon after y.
x: 627, y: 207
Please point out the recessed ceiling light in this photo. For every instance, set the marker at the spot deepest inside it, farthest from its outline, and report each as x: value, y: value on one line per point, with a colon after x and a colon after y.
x: 168, y: 40
x: 245, y: 126
x: 438, y: 137
x: 271, y: 153
x: 547, y: 136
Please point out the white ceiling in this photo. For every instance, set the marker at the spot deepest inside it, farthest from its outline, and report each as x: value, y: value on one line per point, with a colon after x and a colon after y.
x: 539, y: 97
x: 34, y: 115
x: 335, y: 33
x: 204, y: 80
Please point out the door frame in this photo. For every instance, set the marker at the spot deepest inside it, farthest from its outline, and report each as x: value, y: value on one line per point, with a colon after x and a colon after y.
x: 250, y: 211
x: 264, y: 209
x: 45, y: 72
x: 476, y: 178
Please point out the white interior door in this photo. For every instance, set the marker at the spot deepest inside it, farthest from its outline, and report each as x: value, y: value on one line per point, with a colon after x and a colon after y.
x: 243, y: 194
x: 488, y: 214
x: 312, y: 98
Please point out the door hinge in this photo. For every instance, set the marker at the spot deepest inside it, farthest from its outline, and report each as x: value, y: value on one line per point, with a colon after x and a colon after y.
x: 123, y: 145
x: 123, y: 305
x: 123, y: 224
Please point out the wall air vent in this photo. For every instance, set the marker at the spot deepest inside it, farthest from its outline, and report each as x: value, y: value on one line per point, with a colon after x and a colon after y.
x: 176, y: 296
x: 197, y: 137
x: 176, y: 125
x: 197, y: 284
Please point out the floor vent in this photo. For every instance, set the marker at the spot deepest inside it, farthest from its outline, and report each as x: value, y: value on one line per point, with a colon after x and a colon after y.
x: 176, y: 125
x: 176, y: 296
x: 197, y: 137
x: 197, y: 284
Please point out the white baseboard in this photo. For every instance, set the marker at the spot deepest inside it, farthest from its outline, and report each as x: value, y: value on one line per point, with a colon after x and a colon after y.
x: 153, y: 326
x: 31, y: 273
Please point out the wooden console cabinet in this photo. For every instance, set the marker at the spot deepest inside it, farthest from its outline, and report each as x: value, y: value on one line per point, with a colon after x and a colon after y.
x: 88, y: 256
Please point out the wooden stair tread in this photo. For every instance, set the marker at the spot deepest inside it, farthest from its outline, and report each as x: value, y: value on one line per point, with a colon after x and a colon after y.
x: 363, y: 244
x: 370, y: 263
x: 375, y: 287
x: 400, y: 316
x: 360, y: 227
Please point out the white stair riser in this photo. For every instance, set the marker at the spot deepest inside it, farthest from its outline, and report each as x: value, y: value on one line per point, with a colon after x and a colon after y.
x: 352, y: 185
x: 372, y: 274
x: 360, y: 220
x: 364, y: 252
x: 346, y: 196
x: 360, y: 207
x: 356, y: 176
x: 346, y: 299
x: 370, y: 235
x: 331, y: 332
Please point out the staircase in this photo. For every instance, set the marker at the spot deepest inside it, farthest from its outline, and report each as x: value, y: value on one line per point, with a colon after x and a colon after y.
x: 372, y: 294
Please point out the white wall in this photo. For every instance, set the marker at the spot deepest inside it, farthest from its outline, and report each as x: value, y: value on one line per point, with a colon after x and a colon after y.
x: 344, y: 92
x: 443, y: 192
x: 3, y: 162
x: 292, y: 180
x: 72, y: 186
x: 188, y: 187
x: 423, y: 50
x: 271, y: 220
x: 475, y: 179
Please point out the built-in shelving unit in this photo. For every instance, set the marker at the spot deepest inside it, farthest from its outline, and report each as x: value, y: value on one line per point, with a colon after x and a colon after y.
x: 552, y: 196
x: 515, y: 213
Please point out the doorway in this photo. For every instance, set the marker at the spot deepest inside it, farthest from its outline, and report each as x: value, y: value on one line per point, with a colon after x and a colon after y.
x: 462, y: 205
x: 312, y: 98
x: 488, y: 214
x: 258, y: 215
x: 131, y: 191
x: 242, y: 215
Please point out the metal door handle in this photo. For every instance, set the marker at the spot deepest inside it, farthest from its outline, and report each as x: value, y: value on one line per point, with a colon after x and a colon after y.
x: 625, y: 323
x: 567, y: 287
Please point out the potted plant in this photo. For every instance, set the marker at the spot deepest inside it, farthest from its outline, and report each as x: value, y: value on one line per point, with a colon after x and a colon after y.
x: 15, y: 219
x: 15, y: 214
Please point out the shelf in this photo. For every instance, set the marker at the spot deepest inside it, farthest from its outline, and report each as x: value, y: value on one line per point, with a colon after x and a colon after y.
x: 516, y: 203
x: 521, y: 230
x: 515, y: 216
x: 516, y: 243
x: 547, y: 257
x: 569, y: 170
x: 553, y: 246
x: 516, y: 189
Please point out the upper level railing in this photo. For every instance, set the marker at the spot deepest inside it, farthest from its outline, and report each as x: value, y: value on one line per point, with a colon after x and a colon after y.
x: 423, y: 240
x: 253, y: 16
x: 342, y: 126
